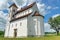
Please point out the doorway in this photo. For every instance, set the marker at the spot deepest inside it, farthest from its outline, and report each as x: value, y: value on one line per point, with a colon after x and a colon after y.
x: 15, y: 32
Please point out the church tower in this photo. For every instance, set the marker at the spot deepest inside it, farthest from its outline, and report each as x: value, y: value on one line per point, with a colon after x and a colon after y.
x: 12, y: 11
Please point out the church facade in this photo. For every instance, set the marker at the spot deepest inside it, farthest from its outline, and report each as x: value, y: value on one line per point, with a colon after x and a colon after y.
x: 24, y: 22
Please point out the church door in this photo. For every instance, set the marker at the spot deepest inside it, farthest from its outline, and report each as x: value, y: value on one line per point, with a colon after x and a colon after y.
x: 15, y: 32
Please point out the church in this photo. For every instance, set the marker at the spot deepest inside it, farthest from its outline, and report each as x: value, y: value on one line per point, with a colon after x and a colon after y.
x: 24, y: 22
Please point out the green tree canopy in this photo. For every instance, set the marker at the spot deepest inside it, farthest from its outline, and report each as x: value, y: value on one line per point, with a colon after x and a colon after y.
x: 55, y: 23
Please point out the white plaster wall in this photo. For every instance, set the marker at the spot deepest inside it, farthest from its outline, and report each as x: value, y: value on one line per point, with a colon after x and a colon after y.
x: 35, y: 26
x: 6, y: 31
x: 21, y: 30
x: 31, y: 26
x: 40, y: 25
x: 11, y: 31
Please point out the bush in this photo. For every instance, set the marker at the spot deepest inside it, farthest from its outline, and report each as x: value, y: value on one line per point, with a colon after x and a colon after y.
x: 1, y: 33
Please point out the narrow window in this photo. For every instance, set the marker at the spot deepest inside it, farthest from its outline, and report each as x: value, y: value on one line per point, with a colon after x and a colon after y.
x: 12, y: 25
x: 20, y: 23
x: 16, y: 24
x: 13, y: 10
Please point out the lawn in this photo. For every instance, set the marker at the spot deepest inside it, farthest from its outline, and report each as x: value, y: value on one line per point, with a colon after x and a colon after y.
x: 50, y: 37
x: 27, y: 38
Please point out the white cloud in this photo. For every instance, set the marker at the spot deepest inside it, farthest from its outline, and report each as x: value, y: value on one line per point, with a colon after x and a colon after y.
x: 3, y: 20
x: 20, y: 3
x: 42, y: 8
x: 50, y: 7
x: 47, y: 28
x: 55, y: 15
x: 56, y: 8
x: 3, y: 4
x: 3, y: 15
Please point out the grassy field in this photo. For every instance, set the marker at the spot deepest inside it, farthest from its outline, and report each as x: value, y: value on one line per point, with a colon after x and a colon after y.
x: 50, y: 37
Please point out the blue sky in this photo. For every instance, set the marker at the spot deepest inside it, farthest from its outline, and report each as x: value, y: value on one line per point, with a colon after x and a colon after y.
x: 48, y: 7
x: 55, y: 8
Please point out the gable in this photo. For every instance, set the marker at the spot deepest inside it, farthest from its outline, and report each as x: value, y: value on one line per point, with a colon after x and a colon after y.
x: 13, y: 5
x: 36, y: 13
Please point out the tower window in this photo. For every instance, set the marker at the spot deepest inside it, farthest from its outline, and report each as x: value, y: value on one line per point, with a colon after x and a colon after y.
x: 13, y: 10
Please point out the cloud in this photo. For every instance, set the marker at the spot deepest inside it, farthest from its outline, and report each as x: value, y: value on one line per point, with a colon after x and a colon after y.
x: 42, y: 8
x: 50, y: 7
x: 47, y: 28
x: 3, y: 15
x: 55, y: 15
x: 20, y: 3
x: 56, y: 8
x: 3, y: 20
x: 3, y: 4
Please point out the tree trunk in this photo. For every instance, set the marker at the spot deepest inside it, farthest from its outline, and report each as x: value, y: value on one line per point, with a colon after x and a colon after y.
x: 57, y: 31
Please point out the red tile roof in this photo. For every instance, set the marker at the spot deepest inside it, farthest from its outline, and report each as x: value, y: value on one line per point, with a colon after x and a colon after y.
x: 37, y: 14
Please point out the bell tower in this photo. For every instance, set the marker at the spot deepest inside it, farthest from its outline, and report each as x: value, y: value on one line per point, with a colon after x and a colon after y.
x: 12, y: 11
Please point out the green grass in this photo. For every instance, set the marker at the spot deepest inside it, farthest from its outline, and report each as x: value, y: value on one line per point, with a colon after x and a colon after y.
x: 50, y: 37
x: 29, y: 38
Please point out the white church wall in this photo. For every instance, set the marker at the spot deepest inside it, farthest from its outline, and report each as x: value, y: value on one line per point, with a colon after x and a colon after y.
x: 32, y: 25
x: 39, y: 25
x: 11, y: 31
x: 42, y: 25
x: 6, y: 30
x: 31, y: 28
x: 21, y: 28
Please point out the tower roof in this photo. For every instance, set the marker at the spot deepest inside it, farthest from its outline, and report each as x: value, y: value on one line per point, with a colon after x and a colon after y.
x: 13, y: 5
x: 36, y: 13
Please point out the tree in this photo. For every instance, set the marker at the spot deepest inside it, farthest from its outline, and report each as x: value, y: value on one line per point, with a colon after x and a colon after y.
x: 55, y: 23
